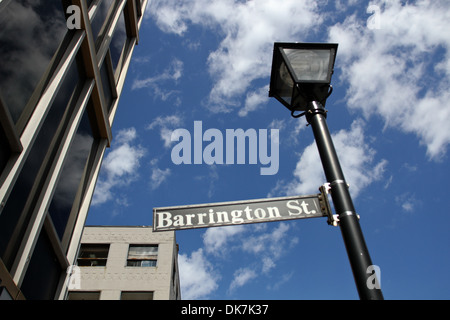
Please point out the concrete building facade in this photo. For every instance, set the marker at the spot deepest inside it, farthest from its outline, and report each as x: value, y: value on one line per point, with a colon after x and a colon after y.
x: 125, y: 263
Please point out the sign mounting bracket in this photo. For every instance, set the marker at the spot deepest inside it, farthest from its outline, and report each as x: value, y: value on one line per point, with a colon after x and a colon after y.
x: 333, y: 219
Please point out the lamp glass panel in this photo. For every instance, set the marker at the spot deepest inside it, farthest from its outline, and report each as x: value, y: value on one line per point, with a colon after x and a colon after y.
x: 284, y: 84
x: 309, y: 64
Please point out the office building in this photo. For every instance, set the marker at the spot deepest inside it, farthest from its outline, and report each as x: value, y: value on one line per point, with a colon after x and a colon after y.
x: 125, y: 263
x: 62, y: 69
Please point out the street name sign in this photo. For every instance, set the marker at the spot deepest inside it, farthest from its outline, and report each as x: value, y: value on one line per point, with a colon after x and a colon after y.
x: 240, y: 212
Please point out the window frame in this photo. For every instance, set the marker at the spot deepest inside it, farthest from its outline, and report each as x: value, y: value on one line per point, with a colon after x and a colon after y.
x: 41, y: 82
x: 78, y: 294
x: 85, y: 108
x: 29, y: 133
x: 132, y: 295
x: 146, y: 258
x: 103, y: 260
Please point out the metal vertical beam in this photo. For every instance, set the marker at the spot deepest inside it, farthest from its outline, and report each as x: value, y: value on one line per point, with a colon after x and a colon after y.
x: 357, y: 251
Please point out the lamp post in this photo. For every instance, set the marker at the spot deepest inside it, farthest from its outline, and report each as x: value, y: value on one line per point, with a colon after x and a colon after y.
x: 300, y: 80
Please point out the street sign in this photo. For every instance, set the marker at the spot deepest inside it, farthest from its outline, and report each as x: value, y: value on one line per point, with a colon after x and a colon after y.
x: 240, y: 212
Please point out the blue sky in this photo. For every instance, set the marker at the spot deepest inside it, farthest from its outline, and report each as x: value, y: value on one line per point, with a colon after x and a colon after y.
x: 389, y: 114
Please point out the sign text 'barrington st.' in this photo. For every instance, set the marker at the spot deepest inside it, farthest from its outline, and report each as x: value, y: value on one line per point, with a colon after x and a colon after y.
x: 239, y: 212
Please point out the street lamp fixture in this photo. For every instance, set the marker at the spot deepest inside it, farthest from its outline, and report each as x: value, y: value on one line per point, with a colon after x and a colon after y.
x: 301, y: 72
x: 300, y: 80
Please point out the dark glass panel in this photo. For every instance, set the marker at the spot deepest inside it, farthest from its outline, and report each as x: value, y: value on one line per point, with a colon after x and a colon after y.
x: 30, y: 33
x: 118, y: 41
x: 70, y: 178
x: 43, y: 273
x: 106, y: 82
x: 130, y: 295
x: 100, y: 17
x: 5, y: 150
x: 19, y: 205
x: 138, y: 7
x: 83, y: 295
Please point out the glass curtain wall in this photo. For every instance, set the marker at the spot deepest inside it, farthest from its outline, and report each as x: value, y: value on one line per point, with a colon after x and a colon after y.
x: 57, y: 90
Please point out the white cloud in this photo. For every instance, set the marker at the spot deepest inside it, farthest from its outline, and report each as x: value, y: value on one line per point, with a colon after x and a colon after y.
x: 166, y: 126
x: 241, y: 277
x: 248, y: 28
x: 197, y: 276
x: 122, y: 161
x: 355, y: 156
x: 173, y: 72
x: 265, y: 248
x: 254, y: 100
x: 215, y: 239
x: 158, y: 83
x: 401, y: 71
x: 269, y: 246
x: 409, y: 202
x: 267, y: 264
x: 159, y: 176
x: 119, y: 167
x: 284, y: 279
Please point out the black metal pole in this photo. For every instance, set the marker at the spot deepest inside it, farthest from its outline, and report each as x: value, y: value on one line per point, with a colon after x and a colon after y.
x: 357, y: 251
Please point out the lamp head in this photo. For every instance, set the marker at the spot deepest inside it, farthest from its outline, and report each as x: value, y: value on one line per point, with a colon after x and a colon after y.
x: 301, y: 73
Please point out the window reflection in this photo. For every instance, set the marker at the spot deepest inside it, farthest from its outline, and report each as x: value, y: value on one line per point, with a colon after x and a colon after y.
x: 19, y: 206
x: 142, y: 255
x: 30, y: 33
x: 139, y: 7
x: 5, y: 150
x: 71, y: 175
x: 43, y: 273
x: 100, y: 18
x: 106, y: 83
x: 89, y: 2
x: 118, y: 41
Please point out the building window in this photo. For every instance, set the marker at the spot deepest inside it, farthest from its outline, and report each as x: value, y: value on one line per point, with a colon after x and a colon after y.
x: 4, y: 294
x: 89, y: 2
x: 83, y: 295
x: 20, y: 204
x: 44, y: 271
x: 108, y: 83
x: 118, y: 41
x: 139, y: 295
x: 142, y: 255
x: 93, y: 255
x: 139, y: 7
x: 5, y: 150
x: 72, y: 173
x: 31, y: 32
x: 99, y: 22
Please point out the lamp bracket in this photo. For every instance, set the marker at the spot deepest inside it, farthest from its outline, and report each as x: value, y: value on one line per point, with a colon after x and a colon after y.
x: 315, y: 107
x: 297, y: 115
